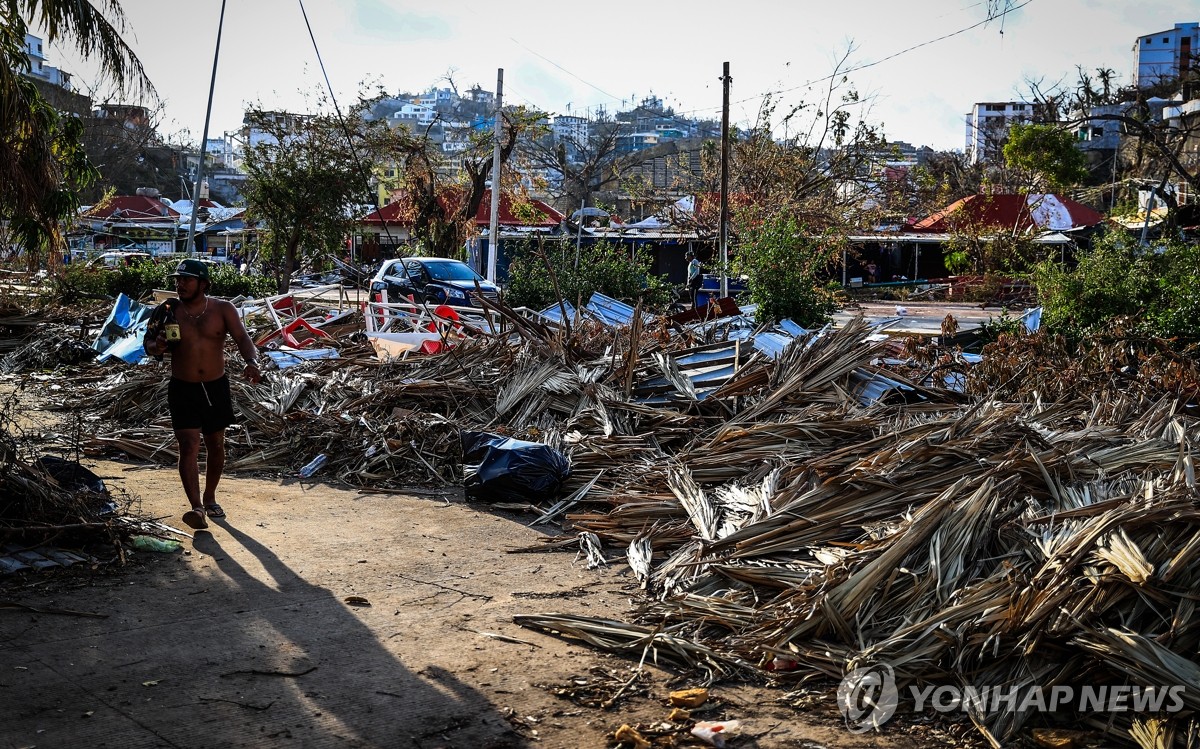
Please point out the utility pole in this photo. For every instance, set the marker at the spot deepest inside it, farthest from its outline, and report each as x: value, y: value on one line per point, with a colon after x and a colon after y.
x: 494, y: 223
x: 212, y: 83
x: 725, y: 80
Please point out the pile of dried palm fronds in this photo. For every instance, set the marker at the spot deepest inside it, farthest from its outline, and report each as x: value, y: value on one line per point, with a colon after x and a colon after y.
x: 398, y: 423
x: 986, y: 544
x: 46, y: 352
x: 51, y: 500
x: 807, y: 507
x: 1050, y: 368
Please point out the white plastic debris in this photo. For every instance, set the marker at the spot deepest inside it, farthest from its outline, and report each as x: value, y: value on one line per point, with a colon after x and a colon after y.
x: 713, y: 733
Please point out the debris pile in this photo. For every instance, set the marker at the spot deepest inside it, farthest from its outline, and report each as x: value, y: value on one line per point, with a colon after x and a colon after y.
x: 985, y: 544
x: 793, y: 504
x: 46, y: 353
x: 50, y: 503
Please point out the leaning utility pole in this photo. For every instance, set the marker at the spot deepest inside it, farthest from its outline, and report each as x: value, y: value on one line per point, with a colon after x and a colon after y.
x: 725, y: 80
x: 494, y: 223
x: 212, y: 83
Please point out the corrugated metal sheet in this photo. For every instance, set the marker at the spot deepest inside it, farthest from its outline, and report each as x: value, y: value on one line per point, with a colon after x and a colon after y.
x: 788, y: 326
x: 16, y: 558
x: 690, y: 375
x: 772, y: 344
x: 554, y: 312
x: 612, y: 312
x: 874, y: 388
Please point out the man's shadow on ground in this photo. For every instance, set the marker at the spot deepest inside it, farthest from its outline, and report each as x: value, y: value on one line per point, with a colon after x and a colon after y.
x: 363, y: 694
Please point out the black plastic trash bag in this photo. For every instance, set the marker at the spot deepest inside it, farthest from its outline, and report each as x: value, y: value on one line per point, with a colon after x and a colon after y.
x: 86, y: 485
x: 502, y: 469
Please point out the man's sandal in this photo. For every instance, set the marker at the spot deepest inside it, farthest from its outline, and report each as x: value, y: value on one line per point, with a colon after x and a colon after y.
x: 214, y: 510
x: 194, y: 518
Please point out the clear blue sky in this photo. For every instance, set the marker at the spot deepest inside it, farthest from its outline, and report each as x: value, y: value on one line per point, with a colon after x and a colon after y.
x: 574, y: 56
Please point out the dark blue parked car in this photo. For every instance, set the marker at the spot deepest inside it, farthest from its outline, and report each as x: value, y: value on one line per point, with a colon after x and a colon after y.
x: 431, y: 280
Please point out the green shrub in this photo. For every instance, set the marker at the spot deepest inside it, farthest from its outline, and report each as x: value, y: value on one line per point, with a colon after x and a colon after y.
x: 1156, y: 288
x: 228, y: 282
x: 78, y: 281
x: 784, y: 265
x: 990, y: 330
x: 602, y: 267
x: 1178, y: 313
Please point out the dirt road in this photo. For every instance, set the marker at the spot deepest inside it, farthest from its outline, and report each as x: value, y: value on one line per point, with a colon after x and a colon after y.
x: 250, y: 637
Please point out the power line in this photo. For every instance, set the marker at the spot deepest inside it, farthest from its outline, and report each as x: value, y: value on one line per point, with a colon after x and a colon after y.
x: 864, y: 66
x: 560, y: 67
x: 358, y: 162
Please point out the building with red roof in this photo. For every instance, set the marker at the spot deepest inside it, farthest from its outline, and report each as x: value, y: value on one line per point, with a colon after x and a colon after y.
x: 143, y: 221
x: 528, y: 214
x: 1009, y: 214
x: 390, y: 226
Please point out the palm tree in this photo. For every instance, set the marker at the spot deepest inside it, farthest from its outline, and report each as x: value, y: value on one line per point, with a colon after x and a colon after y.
x: 42, y: 163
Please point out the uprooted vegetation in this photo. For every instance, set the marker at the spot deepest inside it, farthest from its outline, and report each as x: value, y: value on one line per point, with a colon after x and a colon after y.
x: 800, y: 511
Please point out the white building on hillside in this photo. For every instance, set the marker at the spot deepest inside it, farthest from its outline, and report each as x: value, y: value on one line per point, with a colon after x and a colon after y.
x: 1166, y: 55
x: 438, y: 98
x: 415, y: 117
x: 988, y: 123
x: 569, y: 127
x: 38, y: 67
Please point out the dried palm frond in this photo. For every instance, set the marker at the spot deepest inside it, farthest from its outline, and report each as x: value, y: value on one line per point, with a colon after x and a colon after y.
x: 590, y: 549
x: 639, y: 555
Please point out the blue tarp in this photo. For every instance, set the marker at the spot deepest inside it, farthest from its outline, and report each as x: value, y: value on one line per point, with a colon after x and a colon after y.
x: 121, y: 335
x: 1032, y: 319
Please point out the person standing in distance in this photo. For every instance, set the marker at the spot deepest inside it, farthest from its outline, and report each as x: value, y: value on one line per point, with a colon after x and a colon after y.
x: 198, y: 394
x: 694, y: 279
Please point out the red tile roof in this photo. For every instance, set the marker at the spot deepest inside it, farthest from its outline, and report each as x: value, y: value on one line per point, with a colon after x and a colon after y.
x: 399, y: 211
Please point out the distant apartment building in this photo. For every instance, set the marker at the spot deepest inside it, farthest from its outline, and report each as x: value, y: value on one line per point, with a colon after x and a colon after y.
x: 571, y: 128
x: 1099, y: 134
x: 628, y: 143
x: 456, y: 137
x: 223, y: 151
x: 1166, y: 55
x: 987, y: 126
x: 438, y: 98
x: 252, y: 135
x: 477, y: 95
x: 898, y: 155
x: 38, y: 67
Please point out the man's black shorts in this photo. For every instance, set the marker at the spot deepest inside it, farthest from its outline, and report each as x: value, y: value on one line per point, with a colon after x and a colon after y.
x: 207, y: 406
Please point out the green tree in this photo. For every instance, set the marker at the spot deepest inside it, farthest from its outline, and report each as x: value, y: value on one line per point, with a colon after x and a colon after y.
x: 42, y: 165
x: 305, y: 181
x: 785, y: 264
x: 1046, y: 155
x: 536, y: 268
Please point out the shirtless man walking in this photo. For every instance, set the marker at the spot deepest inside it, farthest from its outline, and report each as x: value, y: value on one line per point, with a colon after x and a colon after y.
x: 198, y: 394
